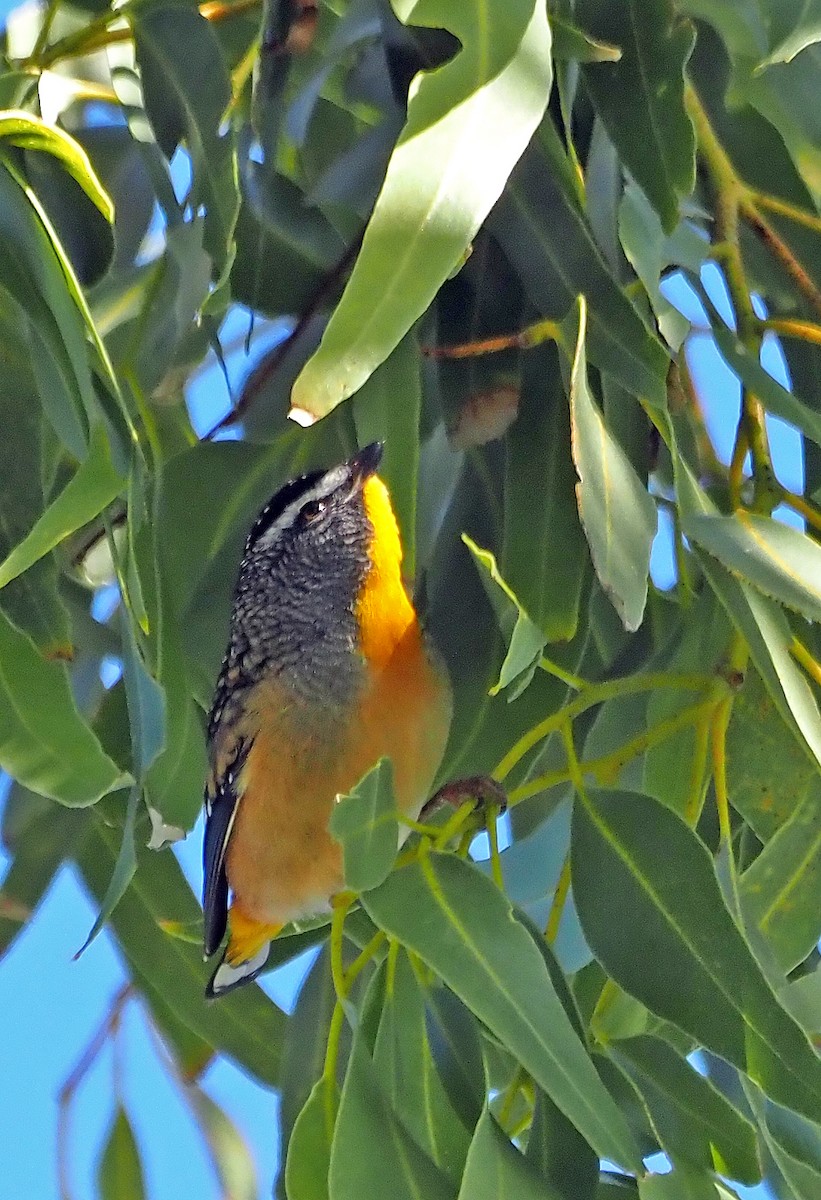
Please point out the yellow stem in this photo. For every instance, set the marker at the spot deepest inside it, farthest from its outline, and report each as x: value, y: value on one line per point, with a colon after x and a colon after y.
x: 695, y: 799
x: 491, y: 817
x: 802, y: 655
x: 554, y: 918
x: 803, y: 507
x: 552, y: 668
x: 783, y: 208
x: 597, y: 693
x: 805, y: 331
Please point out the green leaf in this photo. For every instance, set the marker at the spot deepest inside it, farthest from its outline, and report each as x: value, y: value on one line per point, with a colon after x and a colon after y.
x: 768, y: 775
x: 44, y: 742
x: 544, y: 232
x: 695, y: 1123
x: 124, y: 867
x: 308, y: 1163
x: 525, y: 640
x: 544, y: 555
x: 780, y: 890
x: 681, y: 1184
x: 468, y: 123
x: 33, y: 604
x: 146, y: 703
x: 496, y: 1170
x: 792, y: 27
x: 32, y: 276
x: 570, y: 42
x: 633, y: 862
x: 231, y: 1158
x: 31, y: 133
x: 365, y: 822
x: 640, y: 98
x: 372, y: 1154
x: 557, y: 1150
x: 407, y: 1072
x: 780, y: 561
x: 617, y: 512
x: 245, y: 1025
x: 458, y: 922
x: 94, y: 485
x: 453, y: 1036
x: 120, y: 1174
x: 177, y: 49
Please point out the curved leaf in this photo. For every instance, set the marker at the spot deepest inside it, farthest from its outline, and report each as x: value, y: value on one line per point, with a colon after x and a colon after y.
x: 458, y: 922
x: 44, y: 742
x: 468, y: 122
x: 32, y: 133
x: 653, y: 911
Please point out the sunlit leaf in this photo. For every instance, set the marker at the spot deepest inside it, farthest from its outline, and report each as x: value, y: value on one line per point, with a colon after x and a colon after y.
x: 31, y: 133
x: 468, y: 122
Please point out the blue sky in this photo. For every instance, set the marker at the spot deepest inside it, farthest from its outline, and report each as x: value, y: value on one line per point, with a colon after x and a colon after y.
x: 52, y: 1005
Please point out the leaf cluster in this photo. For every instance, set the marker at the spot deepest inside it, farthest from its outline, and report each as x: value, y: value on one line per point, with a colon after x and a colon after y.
x: 470, y: 230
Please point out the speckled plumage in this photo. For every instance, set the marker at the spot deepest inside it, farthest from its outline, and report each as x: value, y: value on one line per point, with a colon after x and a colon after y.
x: 326, y: 670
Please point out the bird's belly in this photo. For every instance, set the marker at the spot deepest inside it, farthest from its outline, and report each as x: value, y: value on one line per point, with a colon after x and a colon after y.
x: 282, y: 862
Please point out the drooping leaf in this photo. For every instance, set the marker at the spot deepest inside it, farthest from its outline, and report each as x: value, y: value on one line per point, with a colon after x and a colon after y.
x: 695, y: 1122
x: 44, y: 742
x: 95, y: 484
x: 468, y: 122
x: 308, y: 1163
x: 630, y: 856
x: 365, y: 822
x: 542, y: 228
x: 780, y: 561
x: 496, y: 1170
x: 120, y: 1174
x: 640, y: 97
x: 407, y: 1071
x: 543, y: 557
x: 32, y: 133
x: 617, y: 512
x: 460, y: 924
x: 177, y: 50
x: 780, y: 889
x: 366, y: 1120
x: 230, y: 1155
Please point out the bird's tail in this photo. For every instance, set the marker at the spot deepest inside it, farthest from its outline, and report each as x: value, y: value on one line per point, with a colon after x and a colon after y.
x: 245, y: 955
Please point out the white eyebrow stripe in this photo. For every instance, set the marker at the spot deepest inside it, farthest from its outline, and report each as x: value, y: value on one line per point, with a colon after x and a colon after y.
x: 324, y: 486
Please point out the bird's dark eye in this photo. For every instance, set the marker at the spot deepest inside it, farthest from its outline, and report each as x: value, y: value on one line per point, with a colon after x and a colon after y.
x: 313, y: 509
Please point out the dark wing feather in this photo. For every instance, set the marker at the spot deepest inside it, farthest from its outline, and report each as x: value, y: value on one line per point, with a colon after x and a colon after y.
x: 221, y: 805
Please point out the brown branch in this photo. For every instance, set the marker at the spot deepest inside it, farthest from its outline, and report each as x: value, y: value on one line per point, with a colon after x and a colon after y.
x: 781, y: 251
x: 271, y: 362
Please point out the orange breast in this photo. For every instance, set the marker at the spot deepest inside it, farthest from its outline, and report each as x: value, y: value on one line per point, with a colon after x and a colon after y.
x: 282, y: 863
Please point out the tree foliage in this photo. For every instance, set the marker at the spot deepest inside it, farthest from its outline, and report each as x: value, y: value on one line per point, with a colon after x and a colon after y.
x: 461, y: 228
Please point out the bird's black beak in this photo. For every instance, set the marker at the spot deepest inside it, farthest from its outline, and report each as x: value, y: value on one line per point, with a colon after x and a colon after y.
x: 365, y: 463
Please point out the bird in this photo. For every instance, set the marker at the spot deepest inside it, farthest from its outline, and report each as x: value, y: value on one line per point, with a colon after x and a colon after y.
x: 326, y: 671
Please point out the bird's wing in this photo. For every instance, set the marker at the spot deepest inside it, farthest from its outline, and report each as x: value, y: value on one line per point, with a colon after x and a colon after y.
x: 222, y: 798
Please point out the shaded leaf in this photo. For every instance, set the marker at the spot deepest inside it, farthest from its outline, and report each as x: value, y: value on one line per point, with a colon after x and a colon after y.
x: 496, y: 1170
x: 366, y: 1120
x: 559, y: 1153
x: 545, y: 234
x: 460, y: 924
x: 695, y: 1123
x: 31, y: 133
x: 245, y: 1025
x: 94, y: 485
x: 544, y: 556
x: 640, y: 98
x: 468, y: 122
x: 177, y: 50
x: 44, y: 742
x: 630, y: 857
x: 525, y: 641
